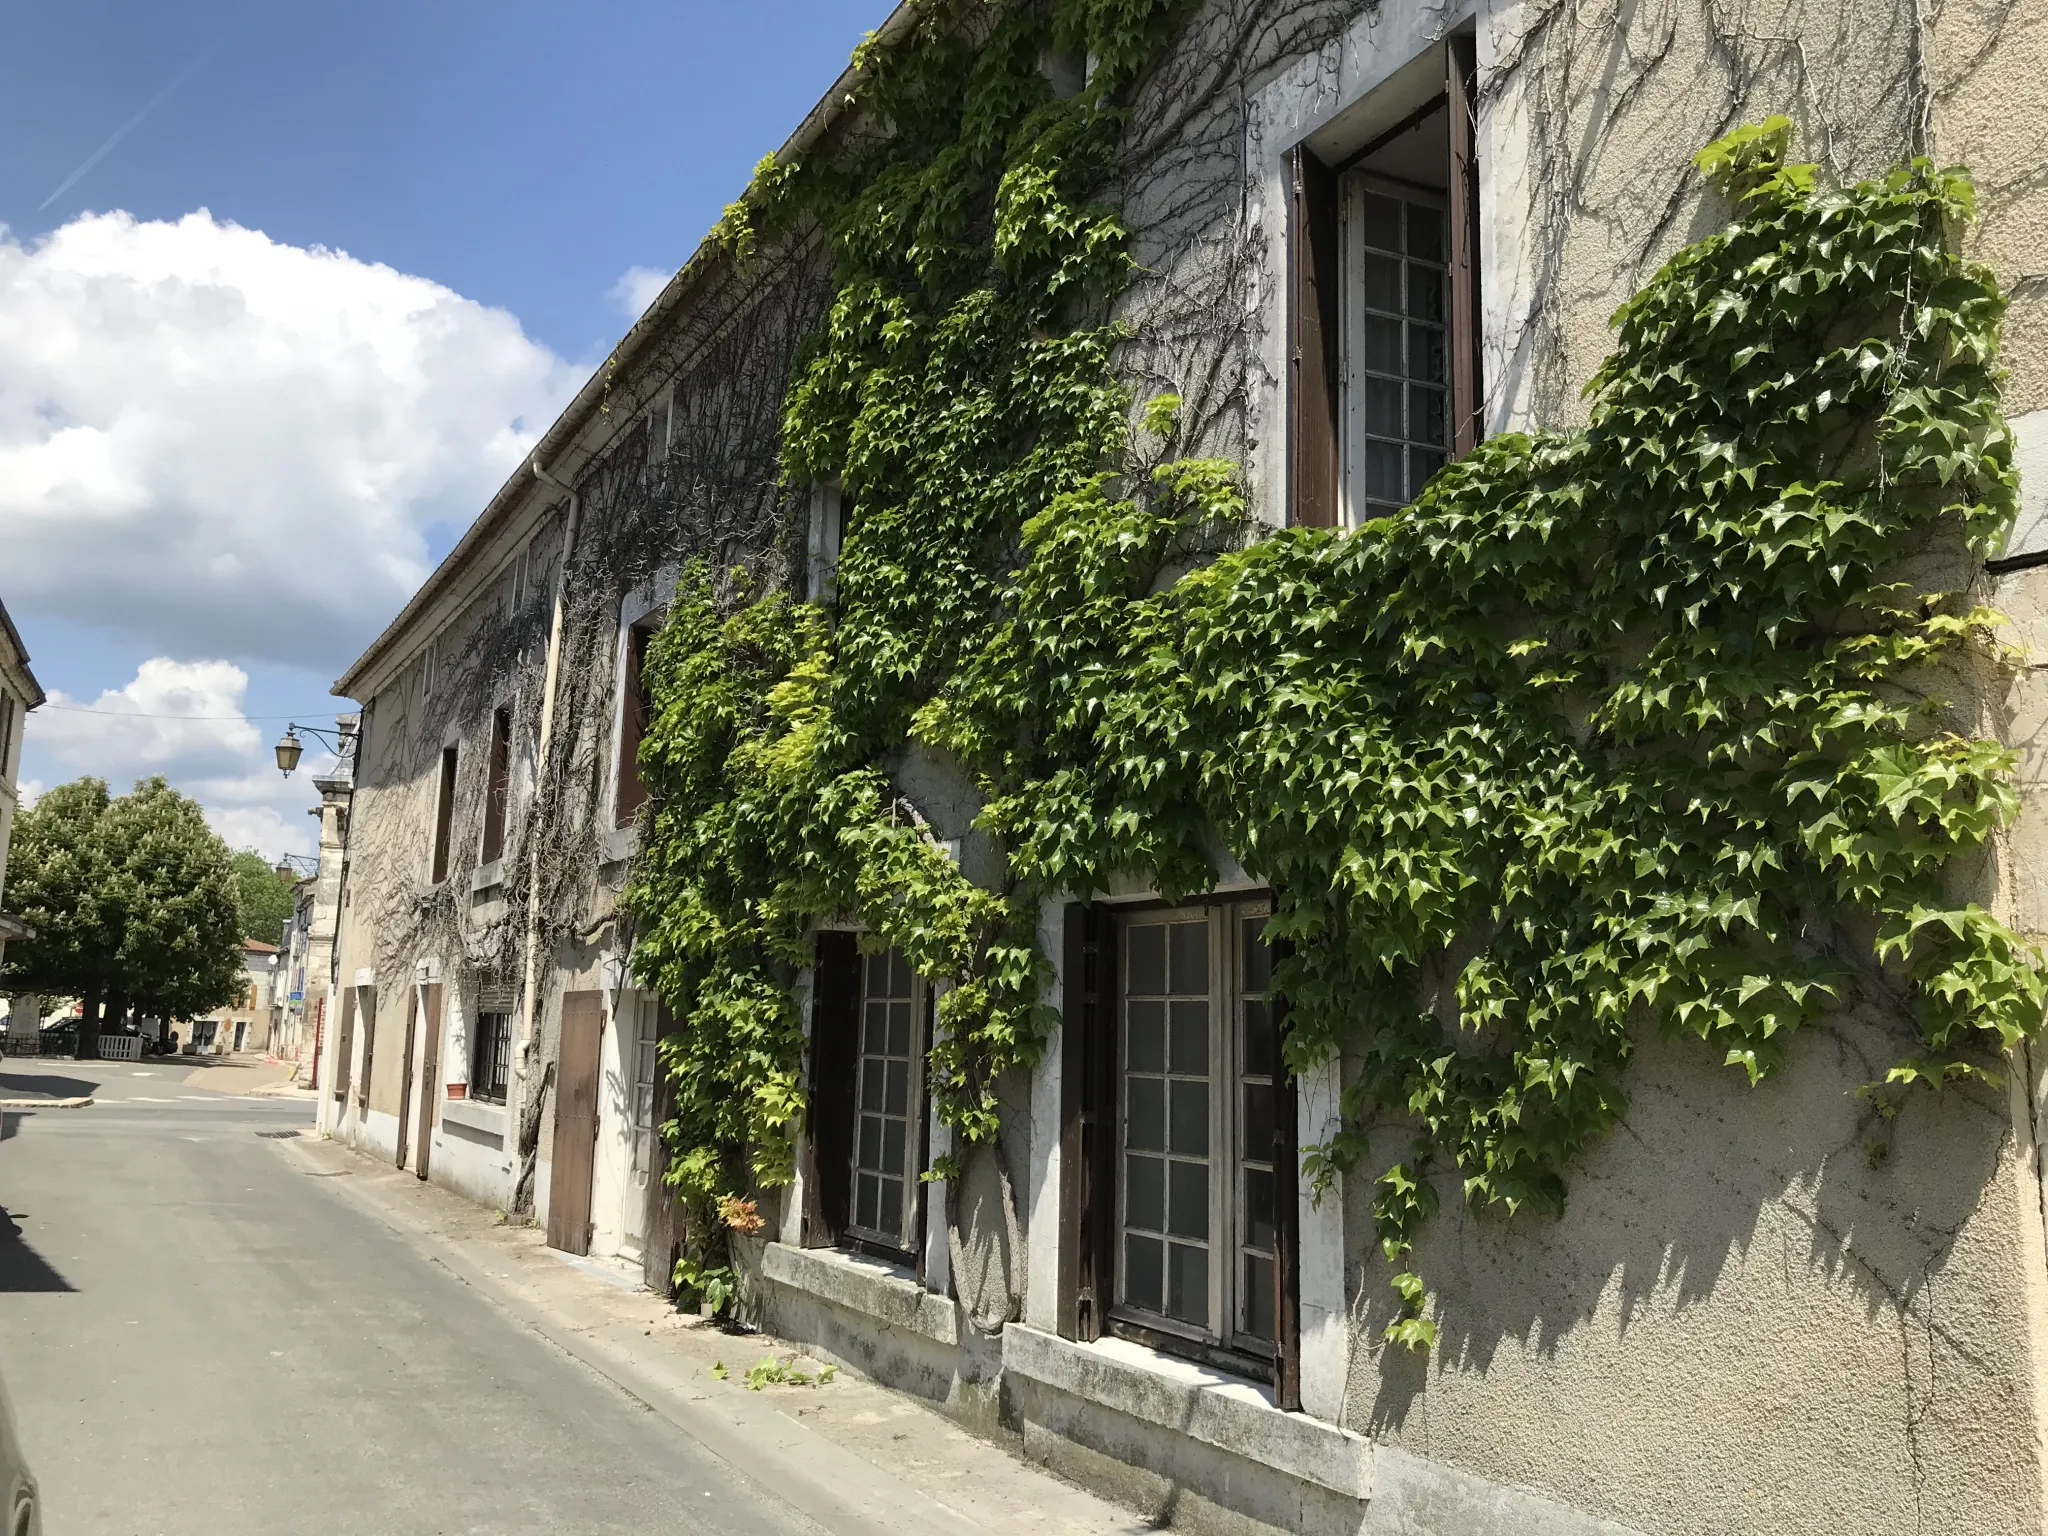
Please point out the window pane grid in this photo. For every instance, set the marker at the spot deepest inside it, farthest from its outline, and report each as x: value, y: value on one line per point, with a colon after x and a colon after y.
x: 1404, y: 367
x: 1166, y: 1120
x: 1257, y: 1068
x: 885, y: 1130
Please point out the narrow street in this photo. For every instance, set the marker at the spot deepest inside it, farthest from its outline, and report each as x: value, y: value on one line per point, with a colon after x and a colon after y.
x: 199, y: 1335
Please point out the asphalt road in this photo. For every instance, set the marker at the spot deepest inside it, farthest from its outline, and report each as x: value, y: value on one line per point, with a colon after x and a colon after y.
x: 200, y: 1336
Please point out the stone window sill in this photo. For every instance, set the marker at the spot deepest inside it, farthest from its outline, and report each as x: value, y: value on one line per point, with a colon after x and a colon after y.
x: 1228, y: 1412
x: 887, y: 1292
x: 488, y: 1118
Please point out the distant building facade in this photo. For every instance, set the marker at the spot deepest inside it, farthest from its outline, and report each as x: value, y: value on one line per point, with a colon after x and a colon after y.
x: 19, y: 693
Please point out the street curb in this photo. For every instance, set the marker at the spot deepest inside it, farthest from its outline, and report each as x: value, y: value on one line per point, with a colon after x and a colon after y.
x: 46, y: 1103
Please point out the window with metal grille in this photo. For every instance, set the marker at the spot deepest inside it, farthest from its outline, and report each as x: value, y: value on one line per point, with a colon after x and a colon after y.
x: 1197, y: 1068
x: 490, y: 1057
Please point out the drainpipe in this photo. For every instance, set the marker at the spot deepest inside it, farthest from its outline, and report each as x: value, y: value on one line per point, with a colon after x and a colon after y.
x: 523, y: 1047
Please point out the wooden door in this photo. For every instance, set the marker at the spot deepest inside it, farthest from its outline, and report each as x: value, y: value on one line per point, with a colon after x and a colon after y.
x: 412, y: 1029
x: 575, y: 1123
x: 430, y: 1078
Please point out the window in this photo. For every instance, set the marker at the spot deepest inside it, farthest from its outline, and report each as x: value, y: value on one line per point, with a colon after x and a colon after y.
x: 498, y: 785
x: 1384, y: 304
x: 646, y: 1059
x: 367, y: 1004
x: 831, y: 508
x: 864, y: 1156
x: 885, y: 1157
x: 1196, y: 1116
x: 444, y: 814
x: 490, y: 1056
x: 634, y: 710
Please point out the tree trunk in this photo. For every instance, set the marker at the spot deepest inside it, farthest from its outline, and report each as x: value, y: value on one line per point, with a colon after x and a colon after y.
x: 89, y: 1026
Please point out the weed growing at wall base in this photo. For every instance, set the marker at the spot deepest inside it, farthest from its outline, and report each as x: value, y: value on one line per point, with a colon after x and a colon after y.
x: 1633, y: 726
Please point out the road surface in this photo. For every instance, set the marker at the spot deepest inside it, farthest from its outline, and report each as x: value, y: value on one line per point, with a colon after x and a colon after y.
x: 201, y: 1337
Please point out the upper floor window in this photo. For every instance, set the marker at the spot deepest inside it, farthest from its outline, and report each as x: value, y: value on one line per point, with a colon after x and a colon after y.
x: 444, y: 814
x: 497, y: 785
x: 1384, y: 309
x: 635, y: 709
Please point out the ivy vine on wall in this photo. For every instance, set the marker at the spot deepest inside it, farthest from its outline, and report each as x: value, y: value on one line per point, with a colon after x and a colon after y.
x: 1634, y: 725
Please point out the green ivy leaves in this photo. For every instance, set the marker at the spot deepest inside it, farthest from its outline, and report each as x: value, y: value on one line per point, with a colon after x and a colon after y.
x: 1630, y: 726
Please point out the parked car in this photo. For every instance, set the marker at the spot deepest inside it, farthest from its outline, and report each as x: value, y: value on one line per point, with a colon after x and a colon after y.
x: 24, y: 1509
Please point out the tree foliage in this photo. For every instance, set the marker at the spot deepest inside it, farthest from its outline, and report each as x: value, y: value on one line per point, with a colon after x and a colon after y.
x: 131, y: 898
x: 264, y: 899
x: 1640, y: 724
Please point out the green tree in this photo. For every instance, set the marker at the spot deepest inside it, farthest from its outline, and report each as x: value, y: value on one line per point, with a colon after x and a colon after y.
x: 263, y: 897
x: 133, y: 900
x: 181, y: 948
x: 61, y: 882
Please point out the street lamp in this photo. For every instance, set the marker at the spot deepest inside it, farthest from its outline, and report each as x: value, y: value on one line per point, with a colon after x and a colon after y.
x: 289, y: 748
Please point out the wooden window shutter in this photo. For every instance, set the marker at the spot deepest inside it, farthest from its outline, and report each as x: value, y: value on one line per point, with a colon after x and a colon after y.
x: 1287, y: 1216
x: 1461, y: 77
x: 1087, y: 1121
x: 634, y: 711
x: 1314, y: 340
x: 835, y: 1065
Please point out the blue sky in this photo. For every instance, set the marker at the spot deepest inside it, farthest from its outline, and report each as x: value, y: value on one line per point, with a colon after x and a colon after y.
x: 524, y: 157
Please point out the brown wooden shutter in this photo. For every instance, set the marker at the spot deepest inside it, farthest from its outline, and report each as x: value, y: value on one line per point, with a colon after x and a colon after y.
x: 661, y: 1246
x: 345, y: 1042
x: 1314, y: 343
x: 430, y: 1078
x: 1286, y: 1215
x: 1087, y: 1122
x: 444, y: 814
x: 575, y: 1146
x: 498, y: 785
x: 1461, y: 74
x: 632, y: 791
x: 835, y: 1064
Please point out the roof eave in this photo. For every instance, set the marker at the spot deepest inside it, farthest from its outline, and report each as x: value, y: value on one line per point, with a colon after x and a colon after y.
x: 562, y: 435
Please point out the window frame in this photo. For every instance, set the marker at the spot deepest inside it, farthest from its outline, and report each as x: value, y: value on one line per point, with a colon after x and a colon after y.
x: 1218, y: 1340
x: 497, y: 786
x: 907, y: 1243
x: 1325, y: 473
x: 636, y: 711
x: 444, y: 814
x: 490, y: 1044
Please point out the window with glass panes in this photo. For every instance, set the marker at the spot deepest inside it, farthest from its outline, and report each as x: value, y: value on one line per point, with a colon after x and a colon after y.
x: 1197, y: 1064
x: 646, y: 1059
x: 886, y: 1130
x: 1400, y: 377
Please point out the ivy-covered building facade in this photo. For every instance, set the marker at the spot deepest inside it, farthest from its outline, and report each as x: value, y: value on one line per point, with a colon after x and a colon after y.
x: 1290, y: 746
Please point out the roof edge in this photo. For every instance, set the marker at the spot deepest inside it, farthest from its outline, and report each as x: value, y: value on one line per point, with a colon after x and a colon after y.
x: 558, y: 438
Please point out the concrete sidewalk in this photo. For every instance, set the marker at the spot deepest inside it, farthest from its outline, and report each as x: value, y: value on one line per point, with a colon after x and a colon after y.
x: 903, y: 1464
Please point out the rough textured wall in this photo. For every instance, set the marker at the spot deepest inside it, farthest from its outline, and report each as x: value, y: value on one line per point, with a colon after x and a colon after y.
x: 713, y: 492
x: 1771, y: 1310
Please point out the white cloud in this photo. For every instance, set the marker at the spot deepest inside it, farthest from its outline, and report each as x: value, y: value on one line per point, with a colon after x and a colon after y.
x: 637, y: 288
x: 215, y: 444
x: 184, y: 720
